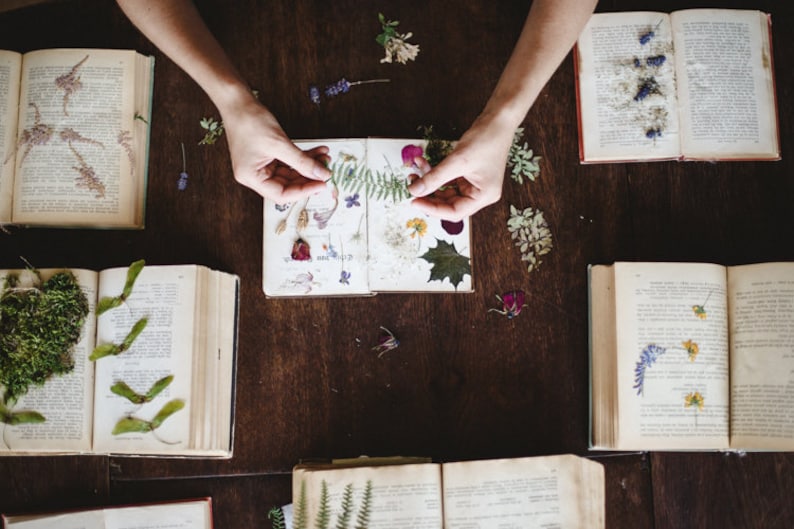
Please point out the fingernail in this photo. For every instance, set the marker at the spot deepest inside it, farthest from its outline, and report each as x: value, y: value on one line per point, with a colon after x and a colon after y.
x: 418, y: 187
x: 321, y: 173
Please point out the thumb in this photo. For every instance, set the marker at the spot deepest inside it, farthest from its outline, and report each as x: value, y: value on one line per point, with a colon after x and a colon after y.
x: 303, y: 163
x: 441, y: 174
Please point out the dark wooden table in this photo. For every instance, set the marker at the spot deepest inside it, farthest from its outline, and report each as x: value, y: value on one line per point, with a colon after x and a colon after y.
x: 464, y: 383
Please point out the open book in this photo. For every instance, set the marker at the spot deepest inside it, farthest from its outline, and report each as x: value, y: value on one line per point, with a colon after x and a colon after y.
x: 186, y: 514
x: 692, y: 356
x: 566, y: 492
x: 167, y: 390
x: 697, y: 84
x: 362, y: 236
x: 74, y: 137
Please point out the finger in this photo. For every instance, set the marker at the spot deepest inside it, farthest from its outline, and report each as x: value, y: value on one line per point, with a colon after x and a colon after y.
x: 453, y: 210
x: 281, y: 192
x: 304, y: 163
x: 443, y: 173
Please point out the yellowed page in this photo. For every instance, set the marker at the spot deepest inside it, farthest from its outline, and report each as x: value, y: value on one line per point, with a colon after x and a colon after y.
x: 762, y: 356
x: 401, y: 495
x: 603, y: 357
x: 612, y: 67
x: 672, y: 356
x: 10, y: 65
x: 71, y: 520
x: 565, y: 492
x: 76, y: 104
x: 726, y: 86
x: 66, y: 401
x: 166, y: 295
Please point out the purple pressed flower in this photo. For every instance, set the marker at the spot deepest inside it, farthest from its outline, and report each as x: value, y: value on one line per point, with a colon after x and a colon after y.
x: 182, y: 183
x: 282, y: 207
x: 648, y: 357
x: 657, y: 60
x: 342, y: 86
x: 512, y: 303
x: 410, y: 153
x: 352, y: 200
x: 344, y: 277
x: 653, y: 133
x: 301, y: 251
x: 386, y: 342
x: 314, y: 94
x: 645, y: 38
x: 453, y: 228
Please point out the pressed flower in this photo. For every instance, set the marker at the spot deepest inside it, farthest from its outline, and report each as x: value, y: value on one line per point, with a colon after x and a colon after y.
x: 352, y: 200
x: 692, y: 349
x: 512, y: 304
x: 314, y: 94
x: 410, y: 153
x: 301, y: 251
x: 700, y: 311
x: 183, y: 176
x: 386, y: 342
x: 417, y: 226
x: 396, y: 45
x: 342, y: 86
x: 344, y: 277
x: 648, y: 357
x: 694, y: 400
x: 453, y: 228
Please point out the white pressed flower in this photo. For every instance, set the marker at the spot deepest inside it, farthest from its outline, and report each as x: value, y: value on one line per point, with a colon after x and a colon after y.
x: 397, y: 49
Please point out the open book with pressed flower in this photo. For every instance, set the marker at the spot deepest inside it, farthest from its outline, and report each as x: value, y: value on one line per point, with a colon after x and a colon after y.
x: 697, y: 84
x: 128, y: 361
x: 692, y: 356
x: 74, y: 137
x: 361, y: 235
x: 182, y: 514
x: 561, y: 491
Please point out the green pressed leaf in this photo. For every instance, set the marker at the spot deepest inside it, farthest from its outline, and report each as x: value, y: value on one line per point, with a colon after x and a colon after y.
x: 101, y: 351
x: 122, y: 389
x: 107, y: 303
x: 166, y: 411
x: 131, y: 425
x: 447, y: 263
x: 139, y: 326
x: 132, y: 274
x: 26, y: 417
x: 159, y: 386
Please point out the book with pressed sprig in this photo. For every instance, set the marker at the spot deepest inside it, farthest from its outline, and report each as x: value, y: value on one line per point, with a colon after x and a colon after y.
x: 74, y: 137
x: 149, y: 370
x: 564, y: 491
x: 692, y: 356
x: 695, y: 84
x: 362, y: 235
x: 182, y: 514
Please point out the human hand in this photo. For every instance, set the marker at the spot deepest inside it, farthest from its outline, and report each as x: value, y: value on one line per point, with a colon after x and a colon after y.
x: 470, y: 178
x: 265, y: 159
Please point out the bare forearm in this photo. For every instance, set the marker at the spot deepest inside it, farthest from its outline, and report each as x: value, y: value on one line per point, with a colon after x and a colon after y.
x: 550, y: 30
x: 177, y: 29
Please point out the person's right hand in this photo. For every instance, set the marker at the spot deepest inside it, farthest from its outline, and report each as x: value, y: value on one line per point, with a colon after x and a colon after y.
x: 265, y: 159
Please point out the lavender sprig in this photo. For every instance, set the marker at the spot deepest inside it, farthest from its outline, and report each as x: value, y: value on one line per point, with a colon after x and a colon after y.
x: 648, y: 357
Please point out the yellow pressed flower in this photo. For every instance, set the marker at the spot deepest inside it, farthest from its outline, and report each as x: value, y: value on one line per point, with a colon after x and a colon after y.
x: 699, y: 311
x: 694, y: 399
x: 692, y: 349
x: 417, y: 226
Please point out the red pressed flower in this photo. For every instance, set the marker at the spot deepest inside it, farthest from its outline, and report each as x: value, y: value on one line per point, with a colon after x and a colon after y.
x: 453, y: 228
x: 410, y: 153
x: 512, y: 303
x: 300, y: 251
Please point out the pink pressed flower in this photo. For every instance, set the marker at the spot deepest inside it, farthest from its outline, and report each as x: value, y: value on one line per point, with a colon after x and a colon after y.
x: 301, y: 251
x: 512, y: 303
x: 410, y: 153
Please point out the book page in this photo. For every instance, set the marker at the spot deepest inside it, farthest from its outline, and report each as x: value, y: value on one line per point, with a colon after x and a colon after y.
x: 627, y: 88
x: 166, y: 295
x: 672, y: 356
x: 72, y: 164
x: 66, y: 401
x: 172, y: 515
x: 10, y: 68
x: 726, y: 84
x: 318, y: 246
x: 762, y: 356
x: 408, y: 249
x: 395, y: 497
x: 549, y: 491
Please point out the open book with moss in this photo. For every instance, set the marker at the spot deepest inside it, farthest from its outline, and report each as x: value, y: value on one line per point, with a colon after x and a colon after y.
x: 362, y: 235
x: 74, y: 137
x: 692, y: 356
x: 137, y: 360
x: 565, y: 492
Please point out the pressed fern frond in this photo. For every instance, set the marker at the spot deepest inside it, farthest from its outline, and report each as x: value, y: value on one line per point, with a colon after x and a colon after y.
x: 353, y: 178
x: 276, y: 516
x: 301, y: 510
x: 343, y: 522
x: 323, y: 519
x: 362, y: 520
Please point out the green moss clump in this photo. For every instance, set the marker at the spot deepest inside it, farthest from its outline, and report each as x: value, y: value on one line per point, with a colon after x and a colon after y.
x: 38, y: 330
